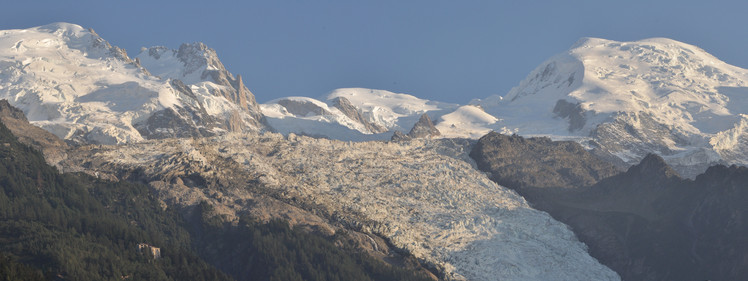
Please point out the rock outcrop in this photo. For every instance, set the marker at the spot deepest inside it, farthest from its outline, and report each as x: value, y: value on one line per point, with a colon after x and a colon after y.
x: 53, y: 148
x: 518, y: 162
x: 355, y: 114
x: 424, y: 128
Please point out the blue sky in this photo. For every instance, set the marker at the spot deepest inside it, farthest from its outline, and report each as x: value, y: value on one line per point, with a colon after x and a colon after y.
x: 450, y: 51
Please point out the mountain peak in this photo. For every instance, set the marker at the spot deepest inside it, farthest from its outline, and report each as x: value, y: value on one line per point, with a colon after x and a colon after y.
x: 63, y: 27
x: 653, y: 166
x: 633, y: 98
x: 588, y: 41
x: 73, y: 83
x: 197, y: 55
x: 424, y: 128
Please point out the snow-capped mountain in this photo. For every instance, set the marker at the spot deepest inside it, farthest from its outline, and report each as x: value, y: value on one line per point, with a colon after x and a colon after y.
x: 624, y: 99
x: 73, y: 83
x: 631, y: 98
x: 467, y: 121
x: 351, y: 114
x: 198, y: 66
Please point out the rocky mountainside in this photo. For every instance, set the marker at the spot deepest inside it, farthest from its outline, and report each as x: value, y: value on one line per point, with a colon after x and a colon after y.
x: 99, y: 229
x: 647, y: 223
x: 73, y: 83
x: 53, y: 148
x: 518, y: 162
x: 633, y: 98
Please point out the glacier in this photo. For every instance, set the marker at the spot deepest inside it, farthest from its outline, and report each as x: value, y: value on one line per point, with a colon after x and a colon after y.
x: 423, y: 196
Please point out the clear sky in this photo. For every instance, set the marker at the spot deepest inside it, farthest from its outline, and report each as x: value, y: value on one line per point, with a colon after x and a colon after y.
x: 450, y: 51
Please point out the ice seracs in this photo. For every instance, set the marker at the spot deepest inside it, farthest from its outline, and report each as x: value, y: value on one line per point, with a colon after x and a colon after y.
x: 421, y: 195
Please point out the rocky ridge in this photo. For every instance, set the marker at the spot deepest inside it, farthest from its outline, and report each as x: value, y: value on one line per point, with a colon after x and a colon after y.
x: 519, y: 162
x: 424, y: 128
x: 198, y: 66
x: 53, y: 148
x: 354, y: 113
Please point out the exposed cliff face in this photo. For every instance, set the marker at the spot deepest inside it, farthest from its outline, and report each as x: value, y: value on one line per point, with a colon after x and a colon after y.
x: 518, y: 162
x: 424, y: 128
x: 399, y: 136
x: 181, y: 121
x: 647, y: 223
x: 198, y: 66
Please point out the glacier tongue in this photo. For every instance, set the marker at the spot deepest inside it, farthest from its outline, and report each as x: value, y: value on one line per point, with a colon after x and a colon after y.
x: 434, y: 205
x: 421, y: 195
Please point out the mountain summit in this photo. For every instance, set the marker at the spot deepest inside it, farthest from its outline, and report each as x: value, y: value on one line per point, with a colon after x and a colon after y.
x: 73, y: 83
x: 633, y: 98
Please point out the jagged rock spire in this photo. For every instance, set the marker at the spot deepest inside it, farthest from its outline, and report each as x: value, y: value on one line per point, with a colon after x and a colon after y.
x: 424, y: 128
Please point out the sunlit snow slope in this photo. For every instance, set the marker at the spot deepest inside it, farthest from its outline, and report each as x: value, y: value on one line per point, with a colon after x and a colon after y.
x: 71, y: 82
x: 351, y: 114
x: 625, y: 99
x: 631, y: 98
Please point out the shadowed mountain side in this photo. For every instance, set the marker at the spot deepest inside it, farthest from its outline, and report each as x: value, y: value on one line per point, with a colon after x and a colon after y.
x: 647, y: 223
x: 53, y: 148
x: 518, y: 162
